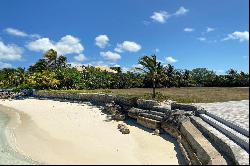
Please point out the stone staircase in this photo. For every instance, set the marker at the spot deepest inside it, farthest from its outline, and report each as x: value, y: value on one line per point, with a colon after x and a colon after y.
x: 231, y: 142
x: 204, y: 138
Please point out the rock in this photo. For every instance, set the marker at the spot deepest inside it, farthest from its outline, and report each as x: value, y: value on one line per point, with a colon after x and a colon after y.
x: 157, y: 132
x: 123, y: 129
x: 112, y: 108
x: 118, y: 117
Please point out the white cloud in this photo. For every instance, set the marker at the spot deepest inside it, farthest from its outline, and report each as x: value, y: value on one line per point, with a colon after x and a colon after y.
x: 15, y: 32
x: 80, y: 58
x: 160, y: 16
x: 181, y: 11
x: 102, y: 41
x: 209, y: 29
x: 171, y: 59
x: 19, y: 33
x: 5, y: 65
x: 43, y: 44
x: 110, y: 55
x: 129, y: 46
x: 10, y: 52
x: 241, y: 36
x: 202, y: 38
x: 188, y: 29
x: 66, y: 45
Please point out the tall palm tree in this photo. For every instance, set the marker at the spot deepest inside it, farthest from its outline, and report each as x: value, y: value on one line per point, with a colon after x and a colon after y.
x: 152, y: 68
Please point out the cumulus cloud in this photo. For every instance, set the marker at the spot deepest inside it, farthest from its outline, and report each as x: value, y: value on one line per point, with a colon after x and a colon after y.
x: 43, y: 44
x: 102, y: 41
x: 241, y: 36
x: 129, y: 46
x: 10, y: 52
x: 160, y: 16
x: 80, y: 58
x: 171, y: 59
x: 188, y: 29
x: 66, y: 45
x: 209, y: 29
x: 5, y: 65
x: 181, y: 11
x: 110, y: 55
x: 15, y: 32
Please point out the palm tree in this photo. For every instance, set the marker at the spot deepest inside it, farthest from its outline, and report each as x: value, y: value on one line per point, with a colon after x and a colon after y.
x: 152, y: 68
x: 51, y: 57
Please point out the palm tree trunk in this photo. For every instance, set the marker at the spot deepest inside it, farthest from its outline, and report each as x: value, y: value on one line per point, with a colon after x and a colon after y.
x: 153, y: 88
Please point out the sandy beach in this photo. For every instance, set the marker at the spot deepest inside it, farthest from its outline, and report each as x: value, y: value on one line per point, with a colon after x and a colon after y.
x: 54, y: 132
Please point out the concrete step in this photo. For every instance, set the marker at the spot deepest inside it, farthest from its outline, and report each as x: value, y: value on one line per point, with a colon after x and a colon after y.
x: 227, y: 147
x: 206, y: 153
x: 151, y: 116
x: 149, y: 123
x: 237, y: 137
x: 229, y: 124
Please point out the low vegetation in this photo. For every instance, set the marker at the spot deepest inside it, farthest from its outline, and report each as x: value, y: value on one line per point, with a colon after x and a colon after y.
x: 52, y: 72
x: 184, y: 95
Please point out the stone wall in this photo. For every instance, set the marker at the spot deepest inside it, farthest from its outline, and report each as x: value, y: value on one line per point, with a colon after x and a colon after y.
x: 91, y: 97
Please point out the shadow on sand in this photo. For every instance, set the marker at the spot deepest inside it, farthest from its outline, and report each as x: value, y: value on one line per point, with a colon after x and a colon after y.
x: 164, y: 135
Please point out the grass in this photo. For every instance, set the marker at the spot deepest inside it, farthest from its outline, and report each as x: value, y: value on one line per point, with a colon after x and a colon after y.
x: 183, y: 95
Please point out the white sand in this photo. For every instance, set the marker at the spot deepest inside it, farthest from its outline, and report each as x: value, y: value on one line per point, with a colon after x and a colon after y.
x: 54, y: 132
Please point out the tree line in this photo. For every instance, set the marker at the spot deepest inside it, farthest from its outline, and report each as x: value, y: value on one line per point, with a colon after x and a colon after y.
x: 53, y: 72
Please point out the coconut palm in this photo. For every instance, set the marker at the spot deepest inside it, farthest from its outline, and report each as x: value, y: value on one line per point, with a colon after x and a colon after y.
x: 152, y: 68
x: 51, y: 57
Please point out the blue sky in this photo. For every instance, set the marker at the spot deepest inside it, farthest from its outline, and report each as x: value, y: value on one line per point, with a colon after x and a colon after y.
x: 186, y: 33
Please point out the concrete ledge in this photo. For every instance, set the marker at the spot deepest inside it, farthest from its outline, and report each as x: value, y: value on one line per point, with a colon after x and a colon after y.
x: 227, y: 147
x: 234, y: 135
x: 205, y: 152
x: 229, y: 124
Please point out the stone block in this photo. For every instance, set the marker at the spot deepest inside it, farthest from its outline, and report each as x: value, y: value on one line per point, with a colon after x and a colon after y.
x: 149, y: 123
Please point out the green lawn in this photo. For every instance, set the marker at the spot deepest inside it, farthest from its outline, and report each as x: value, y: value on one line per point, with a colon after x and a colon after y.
x: 185, y: 95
